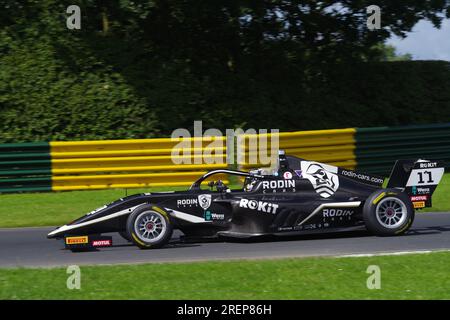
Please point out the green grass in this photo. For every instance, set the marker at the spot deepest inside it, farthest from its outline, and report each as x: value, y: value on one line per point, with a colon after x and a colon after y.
x: 441, y: 197
x: 57, y: 208
x: 419, y: 276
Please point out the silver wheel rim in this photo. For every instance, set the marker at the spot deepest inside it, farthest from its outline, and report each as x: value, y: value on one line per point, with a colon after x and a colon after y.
x: 150, y: 226
x: 391, y: 212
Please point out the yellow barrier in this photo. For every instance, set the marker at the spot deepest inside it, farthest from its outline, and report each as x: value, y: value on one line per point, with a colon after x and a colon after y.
x: 150, y: 162
x: 129, y: 180
x: 335, y: 147
x: 135, y: 163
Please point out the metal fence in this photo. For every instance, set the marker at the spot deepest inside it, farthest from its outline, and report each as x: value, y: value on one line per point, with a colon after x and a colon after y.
x: 81, y: 165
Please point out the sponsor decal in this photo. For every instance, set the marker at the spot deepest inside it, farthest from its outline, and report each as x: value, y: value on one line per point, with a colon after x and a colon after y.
x: 261, y: 206
x: 213, y: 216
x: 205, y: 201
x: 422, y: 190
x: 419, y: 198
x: 425, y: 177
x: 419, y: 204
x: 363, y: 177
x: 278, y: 184
x: 298, y: 173
x: 426, y: 165
x: 323, y: 177
x: 287, y: 175
x: 101, y: 243
x: 331, y: 213
x: 77, y: 240
x: 285, y: 228
x: 187, y: 202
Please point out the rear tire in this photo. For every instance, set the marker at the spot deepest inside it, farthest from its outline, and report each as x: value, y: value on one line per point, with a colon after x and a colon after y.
x: 388, y: 212
x: 149, y: 227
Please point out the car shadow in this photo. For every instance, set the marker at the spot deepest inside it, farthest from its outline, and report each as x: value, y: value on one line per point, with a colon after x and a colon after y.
x: 180, y: 242
x: 334, y: 235
x: 428, y: 230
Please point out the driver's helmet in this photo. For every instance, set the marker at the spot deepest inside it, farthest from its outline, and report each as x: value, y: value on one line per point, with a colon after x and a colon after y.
x: 250, y: 182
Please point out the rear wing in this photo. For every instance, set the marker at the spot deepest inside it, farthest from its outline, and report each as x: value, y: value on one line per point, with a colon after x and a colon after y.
x: 418, y: 177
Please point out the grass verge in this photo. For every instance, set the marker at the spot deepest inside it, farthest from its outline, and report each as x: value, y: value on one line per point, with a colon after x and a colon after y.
x: 415, y: 276
x: 57, y: 208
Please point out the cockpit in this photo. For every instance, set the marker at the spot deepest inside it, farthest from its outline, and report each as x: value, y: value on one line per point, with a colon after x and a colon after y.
x: 251, y: 178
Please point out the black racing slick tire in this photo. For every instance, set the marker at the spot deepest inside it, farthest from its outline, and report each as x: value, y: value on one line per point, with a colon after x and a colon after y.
x: 388, y: 212
x: 149, y: 227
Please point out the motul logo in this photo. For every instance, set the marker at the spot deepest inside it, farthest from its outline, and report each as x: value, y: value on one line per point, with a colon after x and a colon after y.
x: 419, y: 198
x: 101, y: 243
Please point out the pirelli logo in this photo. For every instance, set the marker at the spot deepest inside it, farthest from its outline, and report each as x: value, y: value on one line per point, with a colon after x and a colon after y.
x: 419, y: 204
x: 77, y: 240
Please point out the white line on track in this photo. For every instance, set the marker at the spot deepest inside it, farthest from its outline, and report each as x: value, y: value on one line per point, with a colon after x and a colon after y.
x: 396, y: 253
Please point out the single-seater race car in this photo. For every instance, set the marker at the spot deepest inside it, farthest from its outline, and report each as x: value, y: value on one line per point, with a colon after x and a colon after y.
x: 297, y: 196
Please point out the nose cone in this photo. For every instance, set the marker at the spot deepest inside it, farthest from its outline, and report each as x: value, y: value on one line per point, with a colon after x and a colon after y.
x: 58, y: 232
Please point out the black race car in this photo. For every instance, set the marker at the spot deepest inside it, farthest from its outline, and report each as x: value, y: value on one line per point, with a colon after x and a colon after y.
x: 296, y: 197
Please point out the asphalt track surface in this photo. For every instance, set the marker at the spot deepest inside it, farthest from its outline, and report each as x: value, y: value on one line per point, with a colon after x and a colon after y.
x: 29, y: 247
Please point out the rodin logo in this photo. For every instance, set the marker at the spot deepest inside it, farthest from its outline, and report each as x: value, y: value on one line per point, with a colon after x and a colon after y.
x: 278, y: 184
x: 331, y: 213
x: 259, y: 206
x: 187, y: 202
x: 205, y: 201
x: 323, y: 177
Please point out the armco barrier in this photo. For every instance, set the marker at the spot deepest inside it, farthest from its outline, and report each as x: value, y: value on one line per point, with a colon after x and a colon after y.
x: 335, y: 147
x: 378, y: 148
x: 25, y: 167
x: 81, y: 165
x: 133, y: 163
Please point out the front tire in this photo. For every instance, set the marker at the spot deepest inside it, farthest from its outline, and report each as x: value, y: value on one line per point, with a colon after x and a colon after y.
x: 388, y: 212
x: 149, y: 227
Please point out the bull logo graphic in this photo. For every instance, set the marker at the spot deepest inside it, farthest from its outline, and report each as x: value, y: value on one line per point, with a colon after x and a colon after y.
x: 322, y: 177
x: 204, y: 200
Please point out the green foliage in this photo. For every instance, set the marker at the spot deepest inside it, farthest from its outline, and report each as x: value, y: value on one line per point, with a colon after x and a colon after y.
x: 141, y: 70
x: 52, y: 87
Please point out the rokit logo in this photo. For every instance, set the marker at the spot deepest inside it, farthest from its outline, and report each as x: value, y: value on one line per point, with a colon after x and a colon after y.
x: 261, y: 206
x: 187, y: 202
x: 426, y: 165
x: 331, y: 213
x: 278, y: 184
